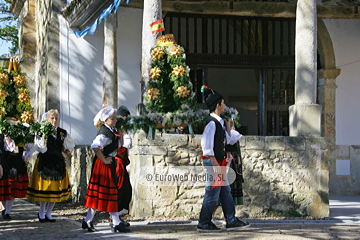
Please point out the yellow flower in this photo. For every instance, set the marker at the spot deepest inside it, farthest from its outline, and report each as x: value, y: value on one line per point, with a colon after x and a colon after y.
x: 27, y: 117
x: 175, y: 52
x: 155, y: 73
x: 153, y: 93
x: 19, y: 80
x: 182, y: 91
x: 178, y: 71
x: 23, y: 97
x: 4, y: 78
x: 3, y: 93
x: 2, y: 111
x: 157, y: 53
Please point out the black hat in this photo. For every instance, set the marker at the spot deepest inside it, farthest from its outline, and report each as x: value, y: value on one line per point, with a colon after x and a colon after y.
x: 122, y: 111
x: 211, y: 96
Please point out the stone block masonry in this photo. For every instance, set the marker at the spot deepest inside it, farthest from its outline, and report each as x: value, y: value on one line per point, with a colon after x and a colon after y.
x: 280, y: 173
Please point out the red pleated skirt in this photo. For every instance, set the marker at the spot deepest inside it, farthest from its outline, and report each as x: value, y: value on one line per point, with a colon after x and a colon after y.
x: 102, y: 193
x: 5, y: 190
x: 19, y: 186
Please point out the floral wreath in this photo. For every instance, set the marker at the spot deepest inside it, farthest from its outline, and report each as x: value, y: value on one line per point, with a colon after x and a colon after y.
x: 169, y: 86
x: 16, y: 112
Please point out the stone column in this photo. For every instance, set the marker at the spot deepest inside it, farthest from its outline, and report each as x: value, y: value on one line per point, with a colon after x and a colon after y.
x: 152, y: 12
x: 110, y: 86
x: 28, y: 64
x: 305, y: 114
x: 326, y: 90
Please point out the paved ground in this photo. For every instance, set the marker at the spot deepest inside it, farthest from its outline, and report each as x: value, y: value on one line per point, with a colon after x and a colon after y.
x: 345, y: 211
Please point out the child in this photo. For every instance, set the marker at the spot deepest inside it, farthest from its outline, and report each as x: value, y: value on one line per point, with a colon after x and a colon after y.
x: 102, y: 192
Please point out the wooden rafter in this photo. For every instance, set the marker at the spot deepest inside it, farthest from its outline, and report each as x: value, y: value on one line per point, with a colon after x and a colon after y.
x: 250, y: 9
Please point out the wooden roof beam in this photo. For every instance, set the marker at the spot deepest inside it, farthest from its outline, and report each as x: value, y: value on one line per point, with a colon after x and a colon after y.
x: 251, y: 9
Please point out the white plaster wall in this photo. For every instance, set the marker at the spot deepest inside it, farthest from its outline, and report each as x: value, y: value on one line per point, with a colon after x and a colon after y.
x: 345, y: 36
x: 81, y: 68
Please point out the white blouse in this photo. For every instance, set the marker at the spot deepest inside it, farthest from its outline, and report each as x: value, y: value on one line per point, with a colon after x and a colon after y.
x: 40, y: 144
x: 28, y: 147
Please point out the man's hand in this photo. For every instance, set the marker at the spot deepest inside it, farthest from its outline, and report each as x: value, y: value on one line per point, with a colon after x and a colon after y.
x: 1, y: 171
x: 216, y: 166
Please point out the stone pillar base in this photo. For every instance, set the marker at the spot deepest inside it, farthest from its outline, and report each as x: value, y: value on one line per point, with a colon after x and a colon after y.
x: 305, y: 119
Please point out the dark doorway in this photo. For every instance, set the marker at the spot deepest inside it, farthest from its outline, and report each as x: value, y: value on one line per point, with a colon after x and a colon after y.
x: 249, y: 60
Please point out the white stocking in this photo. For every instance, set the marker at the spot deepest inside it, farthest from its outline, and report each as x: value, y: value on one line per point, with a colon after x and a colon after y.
x: 90, y: 215
x: 49, y: 209
x: 42, y: 210
x: 115, y: 218
x: 8, y: 205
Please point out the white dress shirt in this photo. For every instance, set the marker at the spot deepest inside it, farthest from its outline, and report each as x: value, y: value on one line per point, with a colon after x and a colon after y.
x: 207, y: 138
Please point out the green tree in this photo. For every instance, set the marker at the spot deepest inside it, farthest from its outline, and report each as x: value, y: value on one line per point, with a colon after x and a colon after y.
x: 8, y: 26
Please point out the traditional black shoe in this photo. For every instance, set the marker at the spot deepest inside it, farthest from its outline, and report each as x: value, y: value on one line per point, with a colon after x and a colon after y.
x: 237, y: 225
x: 50, y: 220
x: 3, y: 213
x: 123, y: 222
x: 120, y: 228
x: 208, y: 228
x: 7, y: 217
x: 88, y: 226
x: 42, y: 220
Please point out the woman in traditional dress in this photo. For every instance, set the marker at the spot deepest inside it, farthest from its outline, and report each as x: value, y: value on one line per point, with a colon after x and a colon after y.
x: 49, y: 182
x: 102, y: 192
x: 124, y: 185
x: 15, y: 171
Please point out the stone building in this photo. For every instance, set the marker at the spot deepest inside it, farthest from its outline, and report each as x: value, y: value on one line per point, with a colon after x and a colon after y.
x: 288, y: 67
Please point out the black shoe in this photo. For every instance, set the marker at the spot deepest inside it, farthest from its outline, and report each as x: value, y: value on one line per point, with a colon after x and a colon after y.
x: 88, y: 226
x: 208, y: 228
x: 120, y: 228
x: 42, y: 220
x: 7, y: 217
x: 3, y: 213
x: 123, y: 222
x: 237, y: 225
x: 49, y: 220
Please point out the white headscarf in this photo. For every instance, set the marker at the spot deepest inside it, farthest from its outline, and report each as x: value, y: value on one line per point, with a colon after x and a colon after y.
x: 104, y: 114
x: 43, y: 117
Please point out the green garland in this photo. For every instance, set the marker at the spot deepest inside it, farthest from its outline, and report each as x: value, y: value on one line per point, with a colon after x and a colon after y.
x: 23, y: 133
x: 197, y: 119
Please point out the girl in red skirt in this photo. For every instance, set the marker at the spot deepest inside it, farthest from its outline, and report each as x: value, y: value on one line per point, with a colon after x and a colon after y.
x: 102, y: 192
x: 15, y: 180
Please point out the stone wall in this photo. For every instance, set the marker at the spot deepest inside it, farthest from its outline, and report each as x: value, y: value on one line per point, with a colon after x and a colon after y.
x: 280, y: 173
x: 347, y: 183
